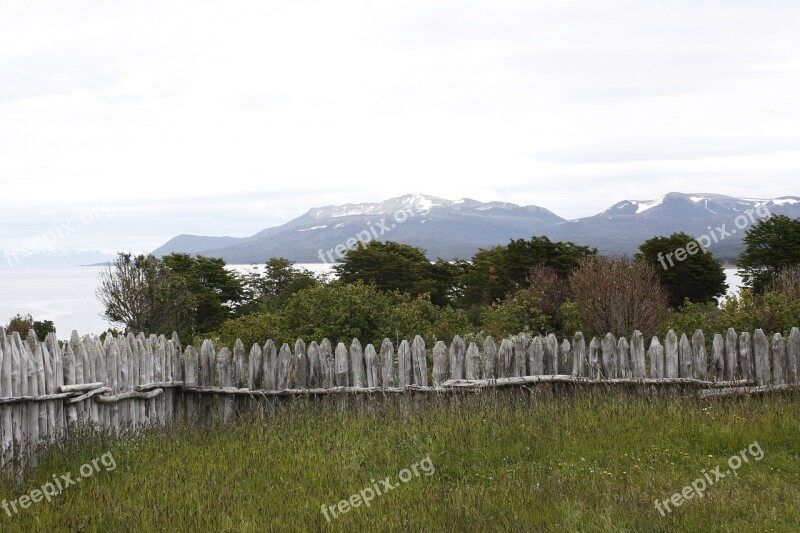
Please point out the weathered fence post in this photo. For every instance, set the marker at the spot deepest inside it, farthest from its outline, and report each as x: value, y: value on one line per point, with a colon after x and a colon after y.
x: 685, y: 357
x: 357, y: 372
x: 255, y: 372
x: 270, y: 355
x: 536, y: 356
x: 439, y: 363
x: 699, y: 349
x: 327, y: 363
x: 609, y: 354
x: 404, y: 375
x: 457, y: 358
x: 504, y: 356
x: 578, y: 355
x: 761, y: 355
x: 489, y: 358
x: 342, y: 366
x: 656, y: 355
x: 314, y: 366
x: 595, y: 365
x: 301, y: 364
x: 718, y: 358
x: 637, y: 355
x: 793, y: 356
x: 623, y: 358
x: 520, y: 346
x: 671, y: 355
x: 746, y: 356
x: 778, y: 359
x: 370, y: 359
x: 551, y: 353
x: 190, y: 363
x: 730, y: 355
x: 284, y: 367
x: 419, y: 362
x: 224, y: 379
x: 473, y: 362
x: 387, y: 364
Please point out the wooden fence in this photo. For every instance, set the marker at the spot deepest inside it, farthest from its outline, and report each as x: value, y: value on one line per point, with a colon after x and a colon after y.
x: 49, y: 388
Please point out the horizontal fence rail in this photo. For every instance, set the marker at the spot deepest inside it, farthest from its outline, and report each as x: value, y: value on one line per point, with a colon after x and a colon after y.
x: 50, y: 388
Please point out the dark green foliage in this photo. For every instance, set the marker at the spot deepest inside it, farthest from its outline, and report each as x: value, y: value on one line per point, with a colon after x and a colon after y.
x: 771, y: 245
x: 392, y: 266
x: 499, y: 271
x: 214, y: 290
x: 698, y: 277
x: 270, y: 290
x: 22, y: 324
x: 341, y: 312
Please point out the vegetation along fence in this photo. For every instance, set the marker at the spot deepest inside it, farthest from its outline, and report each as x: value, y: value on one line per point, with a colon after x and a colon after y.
x: 49, y: 388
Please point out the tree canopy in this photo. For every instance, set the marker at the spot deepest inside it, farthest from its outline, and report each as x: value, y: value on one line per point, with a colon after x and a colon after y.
x: 771, y: 245
x: 699, y: 276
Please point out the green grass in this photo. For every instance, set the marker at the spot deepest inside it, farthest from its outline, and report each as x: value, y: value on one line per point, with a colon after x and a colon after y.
x: 555, y: 460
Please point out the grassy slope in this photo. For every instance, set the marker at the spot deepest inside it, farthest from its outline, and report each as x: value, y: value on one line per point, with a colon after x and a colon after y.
x: 590, y: 461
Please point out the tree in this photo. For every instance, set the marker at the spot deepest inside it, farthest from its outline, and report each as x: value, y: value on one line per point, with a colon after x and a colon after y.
x: 699, y: 276
x: 341, y: 312
x: 771, y: 245
x: 214, y: 290
x: 391, y: 266
x: 22, y: 324
x: 499, y: 271
x: 143, y: 294
x: 270, y: 290
x: 618, y: 296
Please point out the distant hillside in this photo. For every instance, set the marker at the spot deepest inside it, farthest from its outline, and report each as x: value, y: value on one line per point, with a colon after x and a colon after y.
x: 458, y: 228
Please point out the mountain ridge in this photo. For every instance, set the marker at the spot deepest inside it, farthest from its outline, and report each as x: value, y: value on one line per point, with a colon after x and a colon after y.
x: 458, y: 228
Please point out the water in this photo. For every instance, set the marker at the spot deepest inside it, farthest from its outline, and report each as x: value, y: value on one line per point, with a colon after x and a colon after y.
x: 67, y: 295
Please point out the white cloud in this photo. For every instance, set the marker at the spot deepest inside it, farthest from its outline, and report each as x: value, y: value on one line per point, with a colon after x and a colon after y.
x: 214, y: 118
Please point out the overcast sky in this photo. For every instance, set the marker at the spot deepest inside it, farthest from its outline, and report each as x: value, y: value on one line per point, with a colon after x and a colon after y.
x: 224, y: 118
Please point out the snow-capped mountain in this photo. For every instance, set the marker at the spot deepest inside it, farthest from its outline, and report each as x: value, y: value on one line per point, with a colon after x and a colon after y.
x: 458, y: 228
x: 445, y: 228
x: 621, y: 228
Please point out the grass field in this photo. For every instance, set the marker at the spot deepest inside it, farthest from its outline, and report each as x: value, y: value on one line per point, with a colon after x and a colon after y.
x: 556, y: 460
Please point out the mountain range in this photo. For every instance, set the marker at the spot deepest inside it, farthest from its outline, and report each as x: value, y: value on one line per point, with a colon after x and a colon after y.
x: 458, y: 228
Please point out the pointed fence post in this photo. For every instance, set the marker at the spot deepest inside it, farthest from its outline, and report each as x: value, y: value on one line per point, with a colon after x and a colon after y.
x: 370, y: 359
x: 357, y: 372
x: 623, y: 358
x: 685, y: 357
x: 718, y: 358
x: 793, y: 357
x: 731, y: 353
x: 473, y: 362
x: 536, y: 356
x: 440, y: 357
x: 520, y: 343
x: 699, y: 351
x: 761, y: 356
x: 671, y: 355
x: 638, y: 369
x: 578, y: 355
x: 404, y: 372
x: 457, y: 358
x: 387, y: 364
x: 489, y: 358
x: 595, y: 365
x: 609, y: 356
x: 656, y: 355
x: 778, y: 359
x: 419, y: 362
